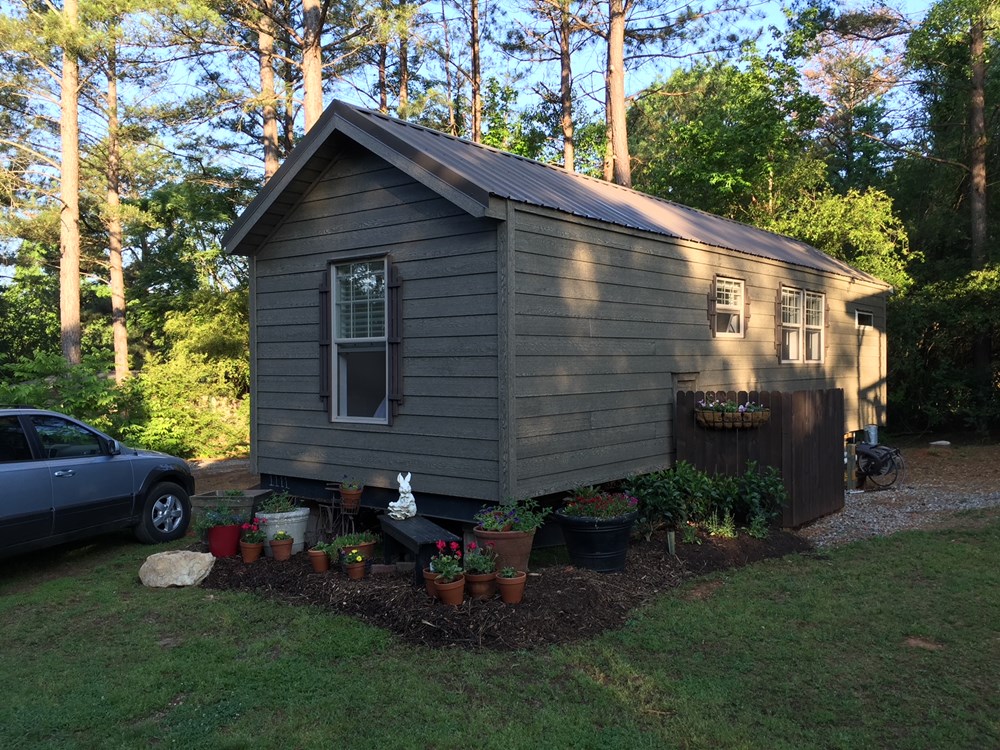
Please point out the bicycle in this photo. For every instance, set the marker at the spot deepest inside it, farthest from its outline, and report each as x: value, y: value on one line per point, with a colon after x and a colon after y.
x: 880, y: 463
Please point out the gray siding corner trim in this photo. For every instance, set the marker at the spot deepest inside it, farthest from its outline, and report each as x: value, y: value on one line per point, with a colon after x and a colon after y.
x: 506, y: 372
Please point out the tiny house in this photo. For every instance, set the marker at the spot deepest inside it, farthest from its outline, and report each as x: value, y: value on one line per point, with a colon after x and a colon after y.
x: 504, y: 328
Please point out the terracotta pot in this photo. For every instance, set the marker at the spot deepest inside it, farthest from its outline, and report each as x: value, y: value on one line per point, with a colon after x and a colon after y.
x: 451, y: 593
x: 429, y: 576
x: 481, y: 586
x: 224, y: 541
x: 320, y: 560
x: 355, y: 571
x: 350, y: 500
x: 281, y: 550
x: 512, y: 548
x: 512, y: 589
x: 251, y: 551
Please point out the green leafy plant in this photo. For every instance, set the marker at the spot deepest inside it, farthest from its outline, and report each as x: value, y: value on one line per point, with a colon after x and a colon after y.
x: 277, y: 502
x: 281, y: 536
x: 351, y: 483
x: 523, y: 515
x: 600, y: 505
x: 355, y: 539
x: 233, y: 493
x: 508, y: 572
x: 218, y: 516
x: 689, y: 534
x: 722, y: 526
x: 480, y: 560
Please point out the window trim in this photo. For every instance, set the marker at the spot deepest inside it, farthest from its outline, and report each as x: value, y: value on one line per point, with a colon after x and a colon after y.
x: 329, y: 367
x: 741, y: 308
x: 803, y: 327
x: 857, y: 319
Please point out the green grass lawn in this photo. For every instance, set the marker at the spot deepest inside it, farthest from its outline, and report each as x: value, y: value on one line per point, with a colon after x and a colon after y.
x: 893, y: 643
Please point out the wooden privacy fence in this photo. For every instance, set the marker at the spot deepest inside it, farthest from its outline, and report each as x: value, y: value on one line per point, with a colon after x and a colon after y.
x: 803, y: 439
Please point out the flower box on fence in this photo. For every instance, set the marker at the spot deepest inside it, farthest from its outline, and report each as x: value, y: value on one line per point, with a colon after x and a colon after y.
x: 715, y: 419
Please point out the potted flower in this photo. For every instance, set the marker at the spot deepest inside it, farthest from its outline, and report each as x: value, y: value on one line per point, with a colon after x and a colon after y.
x: 221, y: 529
x: 449, y: 581
x: 281, y: 545
x: 354, y: 565
x: 511, y: 582
x: 510, y: 527
x: 350, y: 494
x: 728, y: 414
x: 281, y: 512
x: 319, y: 556
x: 363, y: 541
x: 251, y: 540
x: 480, y: 571
x: 596, y: 527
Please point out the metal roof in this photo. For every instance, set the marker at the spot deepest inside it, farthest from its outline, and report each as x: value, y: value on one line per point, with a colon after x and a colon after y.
x: 471, y: 174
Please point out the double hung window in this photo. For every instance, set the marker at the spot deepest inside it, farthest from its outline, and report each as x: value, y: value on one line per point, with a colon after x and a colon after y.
x: 360, y: 341
x: 728, y: 308
x: 803, y: 325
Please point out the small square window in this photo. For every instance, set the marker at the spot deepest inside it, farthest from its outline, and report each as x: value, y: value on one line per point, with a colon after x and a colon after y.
x: 864, y: 319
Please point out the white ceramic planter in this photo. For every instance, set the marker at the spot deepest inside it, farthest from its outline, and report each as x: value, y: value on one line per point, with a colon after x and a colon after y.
x: 293, y: 522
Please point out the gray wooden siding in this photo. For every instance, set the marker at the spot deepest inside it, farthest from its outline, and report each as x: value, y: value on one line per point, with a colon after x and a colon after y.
x: 446, y: 431
x: 605, y: 317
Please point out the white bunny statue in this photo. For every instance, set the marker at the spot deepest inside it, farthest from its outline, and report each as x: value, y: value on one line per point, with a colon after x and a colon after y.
x: 405, y: 507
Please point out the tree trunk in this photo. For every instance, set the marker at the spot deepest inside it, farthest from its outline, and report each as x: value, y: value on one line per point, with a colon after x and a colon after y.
x: 269, y: 110
x: 982, y: 346
x: 383, y: 77
x: 404, y: 74
x: 449, y: 87
x: 566, y: 88
x: 476, y: 73
x: 69, y: 215
x: 621, y: 171
x: 114, y: 223
x: 312, y: 61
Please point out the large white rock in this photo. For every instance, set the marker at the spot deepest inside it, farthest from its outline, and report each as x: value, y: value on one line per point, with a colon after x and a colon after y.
x: 176, y: 568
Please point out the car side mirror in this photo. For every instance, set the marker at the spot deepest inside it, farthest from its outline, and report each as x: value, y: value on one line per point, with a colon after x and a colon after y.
x: 114, y: 448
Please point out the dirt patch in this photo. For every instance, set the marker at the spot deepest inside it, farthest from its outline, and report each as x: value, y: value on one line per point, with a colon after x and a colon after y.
x: 562, y: 603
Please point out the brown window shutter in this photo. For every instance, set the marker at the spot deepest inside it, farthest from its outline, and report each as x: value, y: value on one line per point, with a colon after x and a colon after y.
x: 826, y: 327
x: 746, y: 308
x: 712, y: 318
x: 395, y: 340
x: 777, y: 324
x: 325, y: 341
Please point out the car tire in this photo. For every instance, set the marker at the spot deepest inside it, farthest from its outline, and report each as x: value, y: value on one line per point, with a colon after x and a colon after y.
x: 166, y: 513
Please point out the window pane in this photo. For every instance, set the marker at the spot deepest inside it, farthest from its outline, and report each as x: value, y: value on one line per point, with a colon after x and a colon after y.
x: 728, y: 293
x: 814, y: 309
x: 361, y: 380
x: 360, y: 300
x: 62, y: 439
x: 13, y: 442
x: 726, y: 322
x: 790, y: 344
x: 814, y: 346
x: 791, y: 307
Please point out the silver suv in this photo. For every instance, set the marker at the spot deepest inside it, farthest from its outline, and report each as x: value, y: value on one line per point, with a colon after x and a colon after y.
x: 61, y: 479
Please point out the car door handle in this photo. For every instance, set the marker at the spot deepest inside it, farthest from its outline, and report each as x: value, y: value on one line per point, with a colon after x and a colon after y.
x: 65, y: 473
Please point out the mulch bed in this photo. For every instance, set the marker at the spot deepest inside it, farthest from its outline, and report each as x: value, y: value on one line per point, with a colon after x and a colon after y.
x: 561, y: 604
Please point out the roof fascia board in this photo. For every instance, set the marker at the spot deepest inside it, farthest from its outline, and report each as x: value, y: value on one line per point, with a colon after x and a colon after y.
x: 428, y: 171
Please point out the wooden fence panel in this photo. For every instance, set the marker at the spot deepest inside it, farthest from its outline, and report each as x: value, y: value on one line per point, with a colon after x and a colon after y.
x: 804, y: 440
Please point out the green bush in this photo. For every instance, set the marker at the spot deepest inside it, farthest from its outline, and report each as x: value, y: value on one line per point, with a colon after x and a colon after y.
x: 684, y: 494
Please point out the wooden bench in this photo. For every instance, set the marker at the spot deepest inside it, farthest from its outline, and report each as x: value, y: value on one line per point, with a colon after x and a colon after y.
x: 416, y: 534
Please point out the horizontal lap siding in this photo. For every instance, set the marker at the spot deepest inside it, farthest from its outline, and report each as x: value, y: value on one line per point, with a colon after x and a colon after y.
x: 446, y: 428
x: 604, y: 320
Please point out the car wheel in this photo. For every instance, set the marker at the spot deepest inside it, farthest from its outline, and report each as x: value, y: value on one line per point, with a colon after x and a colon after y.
x: 166, y: 513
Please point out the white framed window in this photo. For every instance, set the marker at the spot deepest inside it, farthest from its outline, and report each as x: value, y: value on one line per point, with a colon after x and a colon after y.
x: 360, y: 341
x: 864, y: 319
x: 802, y: 329
x: 728, y: 313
